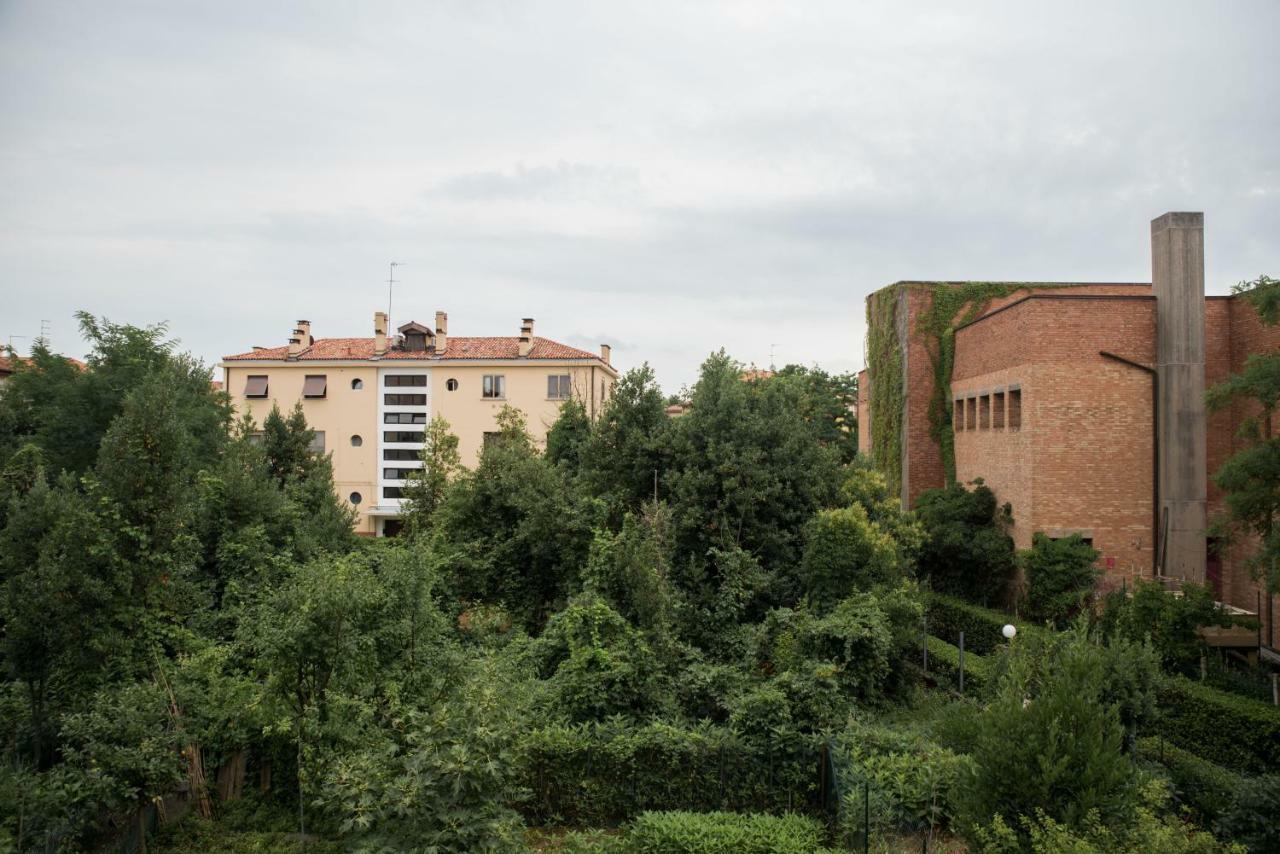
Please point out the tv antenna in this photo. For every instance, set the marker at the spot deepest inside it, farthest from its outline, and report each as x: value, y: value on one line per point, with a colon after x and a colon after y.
x: 44, y: 332
x: 772, y: 366
x: 391, y: 281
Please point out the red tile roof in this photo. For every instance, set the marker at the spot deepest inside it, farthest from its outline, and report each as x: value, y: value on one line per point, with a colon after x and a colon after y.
x: 6, y: 363
x: 458, y: 348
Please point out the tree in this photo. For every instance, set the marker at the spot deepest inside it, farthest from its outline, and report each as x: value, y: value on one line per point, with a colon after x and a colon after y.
x: 966, y: 550
x: 1251, y: 477
x: 831, y: 403
x: 846, y: 551
x: 625, y: 448
x: 568, y: 436
x: 1061, y: 575
x: 425, y: 488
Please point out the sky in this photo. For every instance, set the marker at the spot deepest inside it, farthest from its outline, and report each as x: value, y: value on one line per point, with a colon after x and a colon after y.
x: 670, y: 178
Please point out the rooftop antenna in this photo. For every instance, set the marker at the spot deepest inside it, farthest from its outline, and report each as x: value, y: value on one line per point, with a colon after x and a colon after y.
x: 391, y: 281
x: 772, y: 366
x: 44, y: 333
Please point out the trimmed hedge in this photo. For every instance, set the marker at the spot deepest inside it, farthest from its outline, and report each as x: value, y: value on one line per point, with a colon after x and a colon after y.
x: 602, y: 774
x: 949, y: 616
x: 1207, y: 789
x: 723, y: 833
x: 1236, y: 732
x: 944, y: 665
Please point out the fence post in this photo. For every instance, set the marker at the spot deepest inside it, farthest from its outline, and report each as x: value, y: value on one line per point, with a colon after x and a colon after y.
x: 962, y: 664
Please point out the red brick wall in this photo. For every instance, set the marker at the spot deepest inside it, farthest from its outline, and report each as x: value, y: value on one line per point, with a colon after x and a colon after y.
x: 1081, y: 461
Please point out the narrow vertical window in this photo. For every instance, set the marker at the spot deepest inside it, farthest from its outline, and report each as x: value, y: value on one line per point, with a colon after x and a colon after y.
x: 957, y: 416
x: 997, y: 411
x: 984, y: 412
x: 971, y: 413
x: 1015, y: 409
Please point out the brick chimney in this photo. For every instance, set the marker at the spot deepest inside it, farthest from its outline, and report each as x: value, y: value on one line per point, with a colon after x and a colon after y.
x: 605, y: 353
x: 379, y: 333
x: 1177, y: 279
x: 442, y: 332
x: 526, y: 337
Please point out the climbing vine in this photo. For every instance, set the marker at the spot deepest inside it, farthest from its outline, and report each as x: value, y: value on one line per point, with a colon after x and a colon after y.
x: 888, y: 390
x: 951, y: 306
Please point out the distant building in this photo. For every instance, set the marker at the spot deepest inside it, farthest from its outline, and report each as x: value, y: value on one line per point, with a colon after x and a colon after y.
x: 1082, y: 405
x: 369, y: 399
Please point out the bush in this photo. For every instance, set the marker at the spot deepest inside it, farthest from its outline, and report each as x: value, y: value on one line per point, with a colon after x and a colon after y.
x: 949, y: 616
x: 846, y: 551
x: 722, y: 833
x: 944, y: 666
x: 1236, y: 732
x: 1251, y: 819
x: 967, y: 551
x: 1170, y: 621
x: 600, y: 774
x: 1204, y: 788
x: 1060, y: 574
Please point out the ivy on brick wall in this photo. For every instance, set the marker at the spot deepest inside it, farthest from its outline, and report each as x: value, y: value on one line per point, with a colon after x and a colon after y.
x: 951, y: 306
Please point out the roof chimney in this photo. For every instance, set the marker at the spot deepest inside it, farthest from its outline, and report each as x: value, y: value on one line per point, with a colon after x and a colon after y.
x: 605, y: 353
x: 526, y: 337
x: 304, y: 330
x: 379, y: 333
x: 295, y: 346
x: 442, y: 332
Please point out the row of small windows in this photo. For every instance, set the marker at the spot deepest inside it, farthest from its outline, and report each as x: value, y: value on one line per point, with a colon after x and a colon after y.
x: 493, y: 386
x: 999, y: 410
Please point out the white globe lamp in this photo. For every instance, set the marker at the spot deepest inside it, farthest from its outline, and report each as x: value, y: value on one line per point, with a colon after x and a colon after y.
x: 1009, y: 631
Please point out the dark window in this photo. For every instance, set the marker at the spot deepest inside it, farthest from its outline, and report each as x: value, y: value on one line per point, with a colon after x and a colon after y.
x: 256, y: 386
x: 404, y: 399
x: 451, y: 385
x: 402, y: 380
x: 257, y: 437
x: 356, y: 385
x: 396, y: 474
x: 558, y: 387
x: 491, y: 439
x: 415, y: 341
x: 392, y: 527
x: 1015, y: 409
x: 404, y: 418
x: 402, y: 436
x: 401, y: 454
x: 392, y: 492
x: 984, y: 412
x: 356, y: 441
x: 317, y: 442
x: 355, y: 498
x: 971, y: 413
x: 495, y: 386
x: 315, y: 385
x: 957, y: 418
x: 997, y: 411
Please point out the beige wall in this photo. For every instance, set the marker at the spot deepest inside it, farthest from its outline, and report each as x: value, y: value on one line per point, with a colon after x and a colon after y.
x: 346, y: 412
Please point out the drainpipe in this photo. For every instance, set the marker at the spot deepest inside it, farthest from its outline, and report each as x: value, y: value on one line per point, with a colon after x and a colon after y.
x: 1155, y: 454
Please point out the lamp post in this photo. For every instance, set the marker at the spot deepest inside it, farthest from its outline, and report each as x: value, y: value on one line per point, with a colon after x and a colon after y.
x: 1009, y: 631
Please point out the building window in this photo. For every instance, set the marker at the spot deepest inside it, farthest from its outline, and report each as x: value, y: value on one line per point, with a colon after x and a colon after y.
x: 356, y: 385
x: 495, y: 386
x: 984, y: 412
x: 491, y: 439
x: 971, y: 413
x: 997, y: 411
x: 317, y: 442
x: 404, y: 418
x: 957, y: 417
x: 1015, y: 409
x: 403, y: 380
x: 451, y: 385
x: 558, y: 387
x: 396, y: 474
x: 256, y: 386
x: 355, y: 498
x: 402, y: 436
x: 404, y: 399
x: 257, y: 437
x: 395, y: 454
x: 392, y: 492
x: 315, y: 385
x: 356, y: 441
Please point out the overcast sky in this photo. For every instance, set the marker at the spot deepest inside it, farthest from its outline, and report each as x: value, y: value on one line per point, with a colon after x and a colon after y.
x: 670, y: 178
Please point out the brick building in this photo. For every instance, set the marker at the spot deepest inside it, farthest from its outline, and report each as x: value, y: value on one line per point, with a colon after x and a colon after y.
x: 1080, y: 404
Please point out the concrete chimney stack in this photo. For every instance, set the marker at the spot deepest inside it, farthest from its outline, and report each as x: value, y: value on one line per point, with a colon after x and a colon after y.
x: 304, y: 331
x: 379, y: 333
x: 526, y: 337
x: 442, y: 331
x: 1177, y: 279
x: 606, y: 352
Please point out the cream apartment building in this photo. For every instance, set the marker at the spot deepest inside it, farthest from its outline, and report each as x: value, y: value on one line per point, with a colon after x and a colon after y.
x: 370, y: 399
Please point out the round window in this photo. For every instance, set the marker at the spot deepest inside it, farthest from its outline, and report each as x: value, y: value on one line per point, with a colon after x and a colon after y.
x: 356, y: 498
x: 452, y: 385
x: 356, y: 441
x: 356, y: 385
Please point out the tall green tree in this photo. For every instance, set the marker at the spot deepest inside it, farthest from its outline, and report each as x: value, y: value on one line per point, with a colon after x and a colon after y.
x: 625, y: 449
x: 424, y: 491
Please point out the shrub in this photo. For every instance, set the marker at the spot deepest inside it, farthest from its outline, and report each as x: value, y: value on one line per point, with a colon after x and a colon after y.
x: 1060, y: 574
x: 1198, y: 784
x: 1169, y: 621
x: 944, y: 666
x: 949, y: 616
x: 1236, y: 732
x: 721, y: 833
x: 967, y: 551
x: 845, y: 551
x: 1251, y: 818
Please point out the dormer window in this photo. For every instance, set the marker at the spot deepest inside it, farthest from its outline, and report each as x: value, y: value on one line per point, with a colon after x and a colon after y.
x: 417, y: 338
